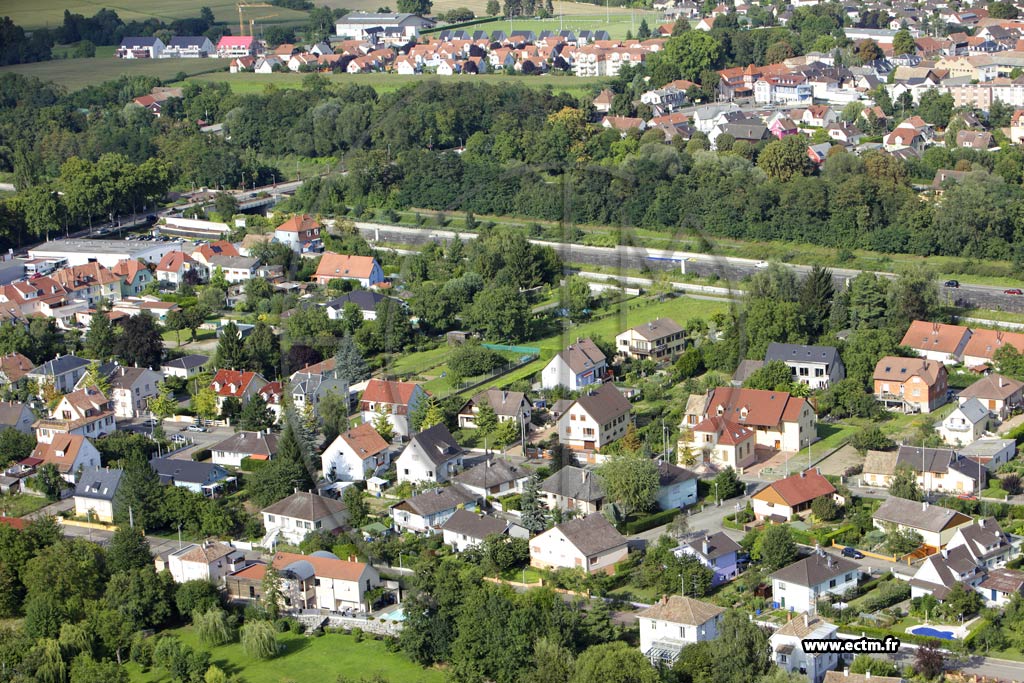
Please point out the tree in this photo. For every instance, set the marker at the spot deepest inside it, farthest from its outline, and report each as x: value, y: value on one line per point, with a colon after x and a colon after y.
x: 230, y: 352
x: 530, y: 506
x: 196, y: 595
x: 815, y: 298
x: 631, y: 480
x: 913, y: 296
x: 85, y: 669
x: 348, y: 362
x: 212, y: 626
x: 421, y: 7
x: 204, y: 404
x: 871, y: 439
x: 774, y: 547
x: 128, y: 550
x: 355, y: 501
x: 498, y: 313
x: 552, y: 663
x: 904, y: 484
x: 256, y: 415
x: 741, y: 649
x: 825, y: 508
x: 899, y: 542
x: 486, y: 421
x: 259, y: 639
x: 1002, y: 10
x: 903, y: 43
x: 138, y: 496
x: 286, y: 471
x: 225, y: 205
x: 577, y: 298
x: 94, y: 377
x: 262, y: 350
x: 15, y: 445
x: 163, y: 404
x: 929, y: 661
x: 867, y: 51
x: 99, y: 340
x: 48, y: 481
x: 643, y: 32
x: 382, y: 424
x: 863, y: 664
x: 493, y: 8
x: 139, y: 343
x: 688, y: 56
x: 727, y: 484
x: 783, y: 159
x: 935, y: 107
x: 773, y: 376
x: 270, y: 591
x: 614, y: 662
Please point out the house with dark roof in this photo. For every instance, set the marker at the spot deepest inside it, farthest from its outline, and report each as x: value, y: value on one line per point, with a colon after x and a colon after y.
x: 798, y: 586
x: 94, y: 494
x: 576, y: 366
x: 786, y: 498
x: 465, y: 529
x: 189, y: 47
x: 208, y: 479
x: 598, y: 417
x: 573, y: 489
x: 507, y: 405
x: 356, y: 454
x: 589, y: 543
x: 674, y: 622
x: 426, y: 512
x: 431, y: 455
x: 941, y: 469
x: 63, y: 372
x: 935, y: 524
x: 365, y: 300
x: 988, y: 545
x: 16, y: 415
x: 493, y: 477
x: 256, y: 445
x: 968, y: 422
x: 1000, y: 586
x: 396, y: 399
x: 815, y: 366
x: 659, y: 340
x: 291, y: 518
x: 717, y: 552
x: 140, y: 47
x: 131, y: 389
x: 941, y: 571
x: 677, y: 486
x: 185, y: 367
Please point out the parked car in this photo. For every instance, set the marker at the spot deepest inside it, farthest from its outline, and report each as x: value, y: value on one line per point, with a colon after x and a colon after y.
x: 850, y: 551
x: 196, y: 428
x: 1015, y: 291
x: 967, y: 496
x: 954, y: 284
x: 761, y: 264
x: 178, y: 438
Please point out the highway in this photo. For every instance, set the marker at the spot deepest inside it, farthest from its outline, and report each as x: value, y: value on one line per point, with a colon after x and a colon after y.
x: 728, y: 268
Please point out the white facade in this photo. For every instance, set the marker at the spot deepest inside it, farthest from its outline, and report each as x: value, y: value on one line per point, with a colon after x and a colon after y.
x: 98, y: 509
x: 788, y: 652
x: 342, y: 458
x: 555, y: 549
x: 794, y: 596
x: 209, y: 561
x: 675, y: 622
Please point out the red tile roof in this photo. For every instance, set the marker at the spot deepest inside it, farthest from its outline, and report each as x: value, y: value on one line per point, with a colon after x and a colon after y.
x: 324, y: 567
x: 299, y: 223
x: 344, y: 265
x: 226, y: 378
x: 14, y: 522
x: 754, y: 406
x: 985, y: 343
x: 926, y: 336
x: 391, y: 393
x: 729, y: 433
x: 798, y: 489
x: 172, y: 261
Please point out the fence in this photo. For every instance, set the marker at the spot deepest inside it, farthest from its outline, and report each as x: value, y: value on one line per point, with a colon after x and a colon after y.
x: 529, y: 350
x: 497, y: 372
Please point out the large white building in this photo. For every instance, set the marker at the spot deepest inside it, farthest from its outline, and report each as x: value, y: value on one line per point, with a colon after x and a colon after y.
x: 788, y: 652
x: 79, y: 251
x: 360, y: 25
x: 208, y: 561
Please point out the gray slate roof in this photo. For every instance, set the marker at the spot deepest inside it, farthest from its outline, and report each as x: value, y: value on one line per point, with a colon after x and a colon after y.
x: 974, y: 411
x: 187, y: 471
x: 801, y: 353
x: 604, y: 403
x: 187, y: 362
x: 437, y: 443
x: 473, y: 525
x: 815, y: 570
x: 718, y: 544
x: 574, y: 482
x: 365, y: 300
x: 437, y: 500
x: 248, y: 443
x: 669, y: 474
x: 917, y: 515
x: 99, y: 484
x: 491, y: 473
x: 61, y: 365
x: 592, y: 534
x: 306, y: 506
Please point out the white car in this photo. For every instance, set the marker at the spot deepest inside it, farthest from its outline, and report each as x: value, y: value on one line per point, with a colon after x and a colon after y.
x: 761, y: 264
x: 196, y: 428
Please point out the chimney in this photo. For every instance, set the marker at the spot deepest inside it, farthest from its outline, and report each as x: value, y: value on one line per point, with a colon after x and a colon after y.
x: 846, y: 672
x: 705, y: 546
x: 1000, y: 381
x: 296, y: 489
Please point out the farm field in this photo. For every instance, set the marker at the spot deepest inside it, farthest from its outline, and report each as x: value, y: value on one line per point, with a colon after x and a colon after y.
x: 616, y: 23
x: 304, y: 659
x: 32, y: 14
x: 75, y: 74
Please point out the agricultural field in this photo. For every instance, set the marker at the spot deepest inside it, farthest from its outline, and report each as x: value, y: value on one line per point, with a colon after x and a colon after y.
x: 32, y: 14
x: 75, y: 74
x: 617, y: 23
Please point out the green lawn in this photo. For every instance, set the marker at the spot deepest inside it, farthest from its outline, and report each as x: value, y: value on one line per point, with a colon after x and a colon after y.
x: 21, y: 504
x: 49, y: 13
x: 832, y: 436
x: 305, y: 660
x: 617, y: 23
x: 75, y: 74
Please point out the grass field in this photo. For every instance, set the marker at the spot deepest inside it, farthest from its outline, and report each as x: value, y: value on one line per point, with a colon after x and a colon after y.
x: 31, y: 14
x: 306, y: 659
x: 616, y: 23
x: 389, y: 82
x: 20, y: 505
x: 75, y: 74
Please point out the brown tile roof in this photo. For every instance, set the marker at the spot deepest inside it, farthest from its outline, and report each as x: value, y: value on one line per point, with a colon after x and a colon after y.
x: 299, y: 223
x: 679, y: 609
x: 364, y: 441
x: 919, y: 515
x: 729, y: 433
x: 14, y: 366
x: 128, y: 268
x: 307, y: 506
x: 581, y: 356
x: 505, y: 403
x: 763, y: 408
x: 389, y: 392
x: 207, y: 552
x: 658, y: 329
x: 900, y: 369
x: 251, y: 443
x: 224, y: 379
x: 985, y: 343
x: 68, y: 444
x: 799, y: 488
x: 994, y: 386
x: 344, y: 265
x: 797, y: 628
x: 324, y: 565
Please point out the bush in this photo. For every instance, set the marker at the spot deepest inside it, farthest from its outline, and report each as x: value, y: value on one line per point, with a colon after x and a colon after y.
x: 651, y: 521
x: 202, y: 455
x: 513, y: 502
x: 471, y: 359
x: 885, y: 595
x: 253, y: 465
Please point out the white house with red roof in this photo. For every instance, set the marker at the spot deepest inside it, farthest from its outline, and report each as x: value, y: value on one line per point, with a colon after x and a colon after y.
x: 937, y: 341
x: 238, y: 46
x: 397, y: 399
x: 69, y: 453
x: 356, y: 454
x: 300, y: 232
x: 778, y: 420
x: 85, y: 412
x: 204, y: 253
x: 721, y: 442
x: 272, y: 394
x: 363, y: 269
x: 134, y: 276
x: 236, y: 384
x: 786, y: 498
x: 175, y: 264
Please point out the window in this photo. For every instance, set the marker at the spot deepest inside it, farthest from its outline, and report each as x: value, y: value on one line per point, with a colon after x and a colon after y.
x: 832, y: 583
x: 804, y: 372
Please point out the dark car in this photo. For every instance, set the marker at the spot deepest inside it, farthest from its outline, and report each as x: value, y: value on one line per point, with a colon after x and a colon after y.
x: 1015, y: 291
x: 954, y: 284
x: 850, y: 551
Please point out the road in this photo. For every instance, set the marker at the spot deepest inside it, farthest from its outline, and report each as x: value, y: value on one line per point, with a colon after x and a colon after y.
x: 728, y: 268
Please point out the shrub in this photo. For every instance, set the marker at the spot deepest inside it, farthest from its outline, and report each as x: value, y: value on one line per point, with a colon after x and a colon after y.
x: 259, y: 639
x: 886, y: 595
x: 651, y: 521
x: 201, y: 455
x: 252, y: 465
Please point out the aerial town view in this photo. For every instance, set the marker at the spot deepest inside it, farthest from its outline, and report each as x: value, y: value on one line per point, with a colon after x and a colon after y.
x: 512, y: 341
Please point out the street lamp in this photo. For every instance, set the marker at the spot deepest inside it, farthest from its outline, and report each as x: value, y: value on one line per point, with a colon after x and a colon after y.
x: 717, y: 502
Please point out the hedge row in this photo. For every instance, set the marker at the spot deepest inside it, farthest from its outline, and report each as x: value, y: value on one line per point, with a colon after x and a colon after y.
x: 657, y: 519
x: 821, y: 537
x: 252, y: 465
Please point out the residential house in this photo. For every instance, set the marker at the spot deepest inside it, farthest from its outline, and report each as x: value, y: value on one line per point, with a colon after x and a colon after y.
x: 14, y: 367
x: 845, y: 133
x: 431, y: 455
x: 176, y: 265
x: 782, y: 500
x: 140, y: 47
x: 238, y: 46
x: 366, y: 301
x: 788, y: 652
x: 937, y: 341
x: 206, y: 478
x: 185, y: 367
x: 674, y: 622
x: 941, y: 469
x: 207, y: 561
x: 397, y: 400
x: 815, y: 366
x: 936, y: 525
x: 904, y: 138
x: 356, y: 454
x: 241, y: 445
x: 966, y: 424
x: 985, y: 541
x: 242, y: 385
x: 16, y: 415
x: 779, y: 420
x: 426, y: 512
x: 819, y: 116
x: 291, y: 518
x: 573, y: 489
x: 131, y: 389
x: 94, y: 494
x: 991, y: 453
x: 1017, y: 127
x: 798, y: 586
x: 998, y: 393
x: 71, y: 454
x: 89, y: 282
x: 235, y: 269
x: 598, y: 417
x: 493, y: 477
x: 717, y: 552
x: 845, y: 676
x: 323, y: 581
x: 507, y: 405
x: 879, y: 468
x: 363, y: 269
x: 677, y: 486
x: 603, y: 102
x: 910, y: 385
x: 589, y: 543
x: 311, y: 388
x: 577, y: 366
x: 974, y: 139
x: 782, y: 126
x: 982, y: 347
x: 134, y: 276
x: 301, y: 233
x: 658, y: 340
x: 86, y: 412
x: 1000, y: 585
x: 189, y: 47
x: 63, y: 372
x: 720, y: 442
x: 465, y: 529
x: 942, y: 570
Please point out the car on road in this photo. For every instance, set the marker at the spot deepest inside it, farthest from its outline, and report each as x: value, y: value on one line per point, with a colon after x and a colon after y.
x: 850, y: 551
x: 196, y: 428
x: 178, y: 438
x: 761, y: 264
x: 953, y: 284
x: 1014, y: 291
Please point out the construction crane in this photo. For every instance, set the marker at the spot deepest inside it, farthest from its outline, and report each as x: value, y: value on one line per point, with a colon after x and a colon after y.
x: 253, y: 20
x: 242, y: 6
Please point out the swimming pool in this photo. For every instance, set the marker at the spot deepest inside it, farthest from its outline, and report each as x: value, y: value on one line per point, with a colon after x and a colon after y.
x: 397, y: 614
x: 931, y: 632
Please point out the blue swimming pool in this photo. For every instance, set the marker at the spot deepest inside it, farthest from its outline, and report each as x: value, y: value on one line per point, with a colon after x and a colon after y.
x: 931, y: 632
x: 397, y: 614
